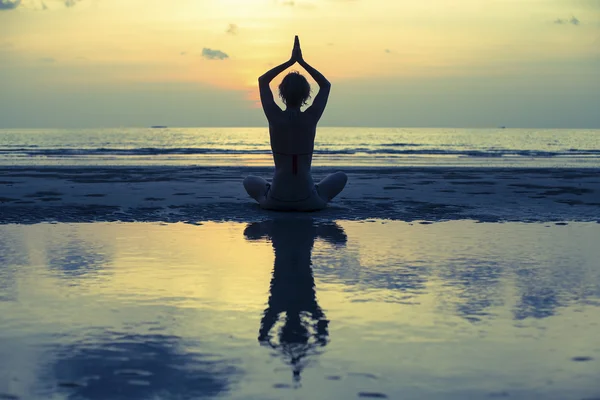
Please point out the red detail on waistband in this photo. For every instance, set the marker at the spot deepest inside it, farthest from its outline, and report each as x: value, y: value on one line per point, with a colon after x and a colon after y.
x: 295, y: 164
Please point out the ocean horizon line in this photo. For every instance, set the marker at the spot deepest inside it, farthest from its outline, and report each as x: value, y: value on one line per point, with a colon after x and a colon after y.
x: 320, y: 126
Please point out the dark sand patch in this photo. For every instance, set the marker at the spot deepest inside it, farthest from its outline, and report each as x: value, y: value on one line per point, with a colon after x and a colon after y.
x: 372, y: 395
x: 154, y: 198
x: 456, y: 175
x: 6, y: 199
x: 149, y: 209
x: 567, y: 190
x: 50, y: 198
x: 393, y: 187
x: 582, y: 358
x: 44, y: 194
x: 94, y: 195
x: 432, y: 211
x: 554, y: 190
x: 575, y: 174
x: 472, y: 183
x: 70, y: 385
x: 282, y: 386
x: 570, y: 202
x: 363, y: 375
x: 117, y: 179
x: 530, y: 186
x: 183, y: 194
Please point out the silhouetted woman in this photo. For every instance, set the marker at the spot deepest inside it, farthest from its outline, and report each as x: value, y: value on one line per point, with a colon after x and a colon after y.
x: 292, y: 135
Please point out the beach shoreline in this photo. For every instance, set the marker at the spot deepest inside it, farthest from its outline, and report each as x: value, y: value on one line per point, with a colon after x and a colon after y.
x: 191, y: 194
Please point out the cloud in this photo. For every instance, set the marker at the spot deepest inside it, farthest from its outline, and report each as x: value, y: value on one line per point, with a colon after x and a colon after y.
x: 71, y: 3
x: 213, y: 54
x: 37, y: 4
x: 9, y: 4
x: 573, y: 21
x: 183, y: 53
x: 47, y: 60
x: 388, y: 51
x: 300, y: 4
x: 233, y: 29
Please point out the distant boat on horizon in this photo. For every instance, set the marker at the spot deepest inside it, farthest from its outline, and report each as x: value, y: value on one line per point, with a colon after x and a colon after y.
x: 502, y: 127
x: 158, y: 126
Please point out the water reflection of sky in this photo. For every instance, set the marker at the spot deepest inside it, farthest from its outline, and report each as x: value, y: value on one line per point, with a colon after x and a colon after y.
x: 129, y: 366
x: 471, y: 266
x: 448, y: 310
x: 12, y: 257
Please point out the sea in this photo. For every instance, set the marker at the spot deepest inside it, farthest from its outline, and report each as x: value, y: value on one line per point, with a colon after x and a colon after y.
x: 350, y: 146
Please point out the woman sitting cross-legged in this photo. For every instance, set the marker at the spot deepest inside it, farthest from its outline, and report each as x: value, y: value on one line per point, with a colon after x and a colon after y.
x: 292, y: 135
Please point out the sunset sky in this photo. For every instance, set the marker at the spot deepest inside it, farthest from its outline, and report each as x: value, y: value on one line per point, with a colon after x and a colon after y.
x: 392, y: 63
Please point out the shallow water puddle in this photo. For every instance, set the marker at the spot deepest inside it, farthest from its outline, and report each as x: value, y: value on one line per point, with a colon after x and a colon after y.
x: 299, y: 308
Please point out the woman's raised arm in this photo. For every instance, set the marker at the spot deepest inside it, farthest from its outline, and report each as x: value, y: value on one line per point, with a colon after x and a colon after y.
x: 316, y: 75
x: 268, y: 76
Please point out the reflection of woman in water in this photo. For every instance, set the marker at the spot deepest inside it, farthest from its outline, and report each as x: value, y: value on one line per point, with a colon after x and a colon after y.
x: 292, y: 292
x: 292, y: 135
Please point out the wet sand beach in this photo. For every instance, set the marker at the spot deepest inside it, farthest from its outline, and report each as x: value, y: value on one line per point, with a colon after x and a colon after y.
x: 172, y: 194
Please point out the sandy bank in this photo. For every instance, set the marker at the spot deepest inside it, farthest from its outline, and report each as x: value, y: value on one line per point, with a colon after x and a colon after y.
x: 77, y: 194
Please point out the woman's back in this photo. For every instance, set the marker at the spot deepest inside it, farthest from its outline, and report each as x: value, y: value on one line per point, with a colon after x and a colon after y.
x: 292, y: 132
x: 292, y: 142
x: 292, y: 135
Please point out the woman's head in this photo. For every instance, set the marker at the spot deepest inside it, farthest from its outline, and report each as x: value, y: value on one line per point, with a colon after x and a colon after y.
x: 294, y: 89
